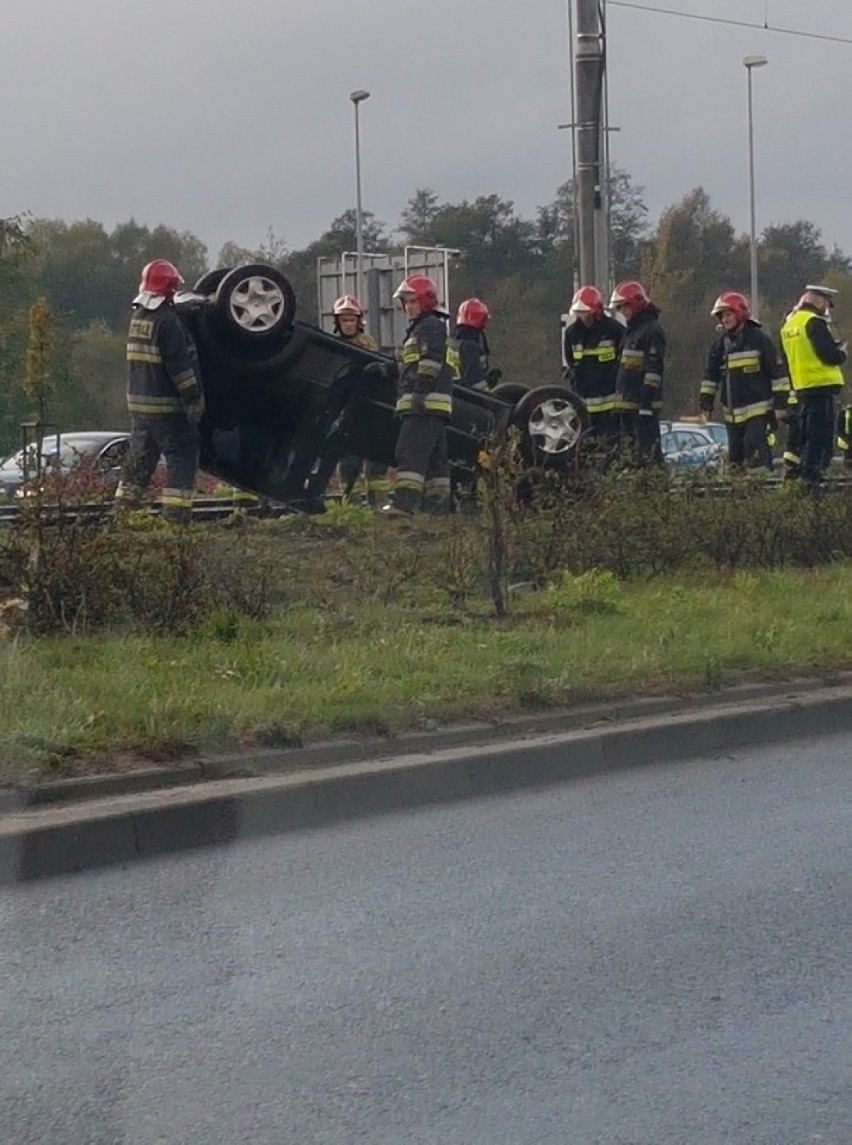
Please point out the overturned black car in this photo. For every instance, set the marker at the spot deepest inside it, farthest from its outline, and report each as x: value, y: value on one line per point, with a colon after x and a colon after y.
x: 286, y: 400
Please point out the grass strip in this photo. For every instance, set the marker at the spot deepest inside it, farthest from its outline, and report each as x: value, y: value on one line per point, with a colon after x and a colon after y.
x: 77, y: 705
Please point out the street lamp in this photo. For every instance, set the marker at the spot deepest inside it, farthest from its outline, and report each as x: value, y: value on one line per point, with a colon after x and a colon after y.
x: 358, y: 98
x: 750, y: 63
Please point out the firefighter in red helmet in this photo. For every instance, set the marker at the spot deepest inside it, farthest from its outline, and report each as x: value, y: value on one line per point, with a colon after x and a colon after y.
x: 745, y: 372
x: 424, y: 403
x: 468, y: 348
x: 164, y: 395
x: 639, y: 382
x: 349, y: 325
x: 592, y: 346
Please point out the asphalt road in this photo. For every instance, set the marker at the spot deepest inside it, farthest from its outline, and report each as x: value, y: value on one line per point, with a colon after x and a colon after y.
x: 650, y: 958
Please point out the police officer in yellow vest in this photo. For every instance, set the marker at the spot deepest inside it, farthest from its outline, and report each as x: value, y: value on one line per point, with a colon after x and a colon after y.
x: 814, y: 357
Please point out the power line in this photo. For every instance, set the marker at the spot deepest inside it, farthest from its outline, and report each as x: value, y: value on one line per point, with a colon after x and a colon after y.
x: 765, y: 27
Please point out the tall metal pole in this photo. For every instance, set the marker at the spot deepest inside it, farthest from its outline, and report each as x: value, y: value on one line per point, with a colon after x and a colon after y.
x: 608, y: 269
x: 358, y: 98
x: 588, y: 71
x: 750, y: 63
x: 603, y: 220
x: 572, y: 107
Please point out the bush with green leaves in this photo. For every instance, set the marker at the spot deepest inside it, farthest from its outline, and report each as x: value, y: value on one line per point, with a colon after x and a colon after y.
x: 133, y: 572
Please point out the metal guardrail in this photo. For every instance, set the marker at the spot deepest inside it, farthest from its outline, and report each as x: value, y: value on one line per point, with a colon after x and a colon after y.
x: 95, y: 512
x: 206, y: 509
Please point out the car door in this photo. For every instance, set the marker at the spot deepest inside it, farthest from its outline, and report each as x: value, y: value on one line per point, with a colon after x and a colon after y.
x: 110, y: 461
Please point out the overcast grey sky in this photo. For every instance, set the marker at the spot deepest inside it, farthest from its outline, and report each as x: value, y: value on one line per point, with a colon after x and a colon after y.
x: 226, y: 118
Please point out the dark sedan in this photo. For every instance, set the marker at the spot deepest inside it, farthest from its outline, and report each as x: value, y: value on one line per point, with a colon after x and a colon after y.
x: 286, y: 400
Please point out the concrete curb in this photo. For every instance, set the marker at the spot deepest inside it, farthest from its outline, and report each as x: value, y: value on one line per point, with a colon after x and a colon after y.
x: 321, y: 754
x: 61, y: 839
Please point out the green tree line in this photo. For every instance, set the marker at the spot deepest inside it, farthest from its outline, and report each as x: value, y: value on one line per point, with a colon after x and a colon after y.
x: 82, y: 276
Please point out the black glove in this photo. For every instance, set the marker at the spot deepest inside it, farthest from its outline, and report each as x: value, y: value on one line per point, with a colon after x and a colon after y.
x: 418, y: 403
x: 493, y: 377
x: 195, y: 411
x: 380, y: 370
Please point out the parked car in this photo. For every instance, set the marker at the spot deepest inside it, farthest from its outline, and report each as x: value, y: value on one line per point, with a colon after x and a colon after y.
x: 286, y: 400
x: 690, y: 447
x: 93, y: 458
x: 87, y: 463
x: 717, y: 430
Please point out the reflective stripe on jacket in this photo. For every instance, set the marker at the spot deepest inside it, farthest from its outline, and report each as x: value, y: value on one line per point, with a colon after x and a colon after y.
x: 423, y: 367
x: 162, y: 364
x: 592, y: 353
x: 746, y: 373
x: 468, y: 362
x: 639, y: 384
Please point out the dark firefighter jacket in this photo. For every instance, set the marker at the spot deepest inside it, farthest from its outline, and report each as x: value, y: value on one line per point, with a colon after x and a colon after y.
x: 745, y: 372
x: 162, y: 364
x: 592, y: 354
x: 424, y: 369
x: 812, y: 354
x: 639, y: 384
x: 467, y: 355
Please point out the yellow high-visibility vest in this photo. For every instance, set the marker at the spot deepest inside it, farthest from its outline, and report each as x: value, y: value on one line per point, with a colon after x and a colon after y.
x: 807, y: 372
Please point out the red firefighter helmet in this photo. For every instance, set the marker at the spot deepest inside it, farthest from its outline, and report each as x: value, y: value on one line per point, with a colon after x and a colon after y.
x: 473, y: 312
x: 348, y: 304
x: 732, y: 300
x: 632, y: 294
x: 588, y: 300
x: 160, y: 277
x: 420, y: 287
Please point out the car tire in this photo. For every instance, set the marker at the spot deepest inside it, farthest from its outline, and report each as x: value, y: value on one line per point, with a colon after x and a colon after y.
x: 254, y: 305
x: 509, y: 392
x: 209, y: 283
x: 551, y: 420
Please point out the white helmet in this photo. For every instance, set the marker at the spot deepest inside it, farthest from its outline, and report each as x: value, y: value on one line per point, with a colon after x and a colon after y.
x: 820, y: 296
x: 348, y: 304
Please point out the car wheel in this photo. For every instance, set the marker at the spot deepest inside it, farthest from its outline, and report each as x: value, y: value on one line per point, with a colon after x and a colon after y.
x: 255, y: 304
x: 209, y: 283
x: 552, y: 420
x: 510, y: 392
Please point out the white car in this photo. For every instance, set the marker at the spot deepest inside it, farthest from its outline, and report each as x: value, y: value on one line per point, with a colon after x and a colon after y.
x: 100, y: 452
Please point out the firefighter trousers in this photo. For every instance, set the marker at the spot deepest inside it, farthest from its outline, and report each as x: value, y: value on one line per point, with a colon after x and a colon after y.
x: 640, y: 438
x: 603, y: 428
x: 793, y: 446
x: 747, y: 444
x: 375, y: 477
x: 422, y: 465
x: 602, y: 437
x: 817, y: 415
x: 172, y: 437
